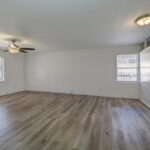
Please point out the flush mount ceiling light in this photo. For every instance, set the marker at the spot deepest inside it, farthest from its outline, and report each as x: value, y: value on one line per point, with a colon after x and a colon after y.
x: 143, y: 20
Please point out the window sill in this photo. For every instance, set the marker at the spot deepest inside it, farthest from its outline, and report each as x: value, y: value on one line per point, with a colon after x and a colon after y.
x: 127, y: 81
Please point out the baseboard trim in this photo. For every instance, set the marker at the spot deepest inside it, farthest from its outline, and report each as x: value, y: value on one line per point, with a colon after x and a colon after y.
x: 82, y: 94
x: 71, y: 94
x: 12, y: 93
x: 145, y: 103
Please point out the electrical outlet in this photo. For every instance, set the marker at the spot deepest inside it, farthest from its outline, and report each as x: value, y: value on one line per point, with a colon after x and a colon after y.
x: 71, y: 91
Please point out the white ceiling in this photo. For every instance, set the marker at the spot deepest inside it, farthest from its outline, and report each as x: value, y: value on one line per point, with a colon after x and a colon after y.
x: 73, y: 24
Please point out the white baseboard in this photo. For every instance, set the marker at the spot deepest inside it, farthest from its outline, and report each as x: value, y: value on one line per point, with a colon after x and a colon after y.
x: 145, y: 102
x: 4, y: 94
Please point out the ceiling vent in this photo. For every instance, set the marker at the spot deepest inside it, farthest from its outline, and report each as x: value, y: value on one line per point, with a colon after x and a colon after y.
x: 147, y: 43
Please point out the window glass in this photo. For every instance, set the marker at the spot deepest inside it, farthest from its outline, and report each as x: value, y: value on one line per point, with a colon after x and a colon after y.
x: 127, y: 67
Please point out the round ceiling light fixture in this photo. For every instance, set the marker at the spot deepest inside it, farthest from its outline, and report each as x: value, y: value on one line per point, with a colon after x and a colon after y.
x: 143, y: 20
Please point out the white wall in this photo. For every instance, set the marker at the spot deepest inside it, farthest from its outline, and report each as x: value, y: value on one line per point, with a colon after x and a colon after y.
x: 145, y: 76
x: 14, y: 74
x: 91, y: 72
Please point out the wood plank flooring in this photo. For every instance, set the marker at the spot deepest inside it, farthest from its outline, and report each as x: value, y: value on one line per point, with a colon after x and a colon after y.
x: 47, y: 121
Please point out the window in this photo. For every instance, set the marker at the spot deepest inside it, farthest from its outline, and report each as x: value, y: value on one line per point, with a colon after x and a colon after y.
x: 1, y: 69
x: 127, y: 67
x: 145, y: 66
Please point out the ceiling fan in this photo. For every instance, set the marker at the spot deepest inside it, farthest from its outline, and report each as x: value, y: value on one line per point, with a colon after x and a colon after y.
x: 15, y: 48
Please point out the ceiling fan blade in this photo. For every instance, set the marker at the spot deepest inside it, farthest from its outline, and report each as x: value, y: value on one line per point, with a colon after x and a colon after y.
x: 5, y: 50
x: 23, y: 51
x: 25, y: 48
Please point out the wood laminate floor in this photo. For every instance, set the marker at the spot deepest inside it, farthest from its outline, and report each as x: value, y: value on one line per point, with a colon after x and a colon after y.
x: 46, y: 121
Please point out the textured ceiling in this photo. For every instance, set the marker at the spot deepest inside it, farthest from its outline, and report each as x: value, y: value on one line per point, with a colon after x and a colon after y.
x: 73, y: 24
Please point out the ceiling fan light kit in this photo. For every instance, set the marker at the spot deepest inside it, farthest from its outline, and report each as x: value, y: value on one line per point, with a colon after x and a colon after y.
x: 13, y: 48
x: 14, y: 51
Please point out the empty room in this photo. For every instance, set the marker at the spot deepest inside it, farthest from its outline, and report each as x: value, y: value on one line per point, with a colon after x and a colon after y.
x: 75, y: 75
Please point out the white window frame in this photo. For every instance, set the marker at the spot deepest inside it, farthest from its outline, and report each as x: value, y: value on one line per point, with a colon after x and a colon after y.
x: 128, y: 67
x: 2, y: 79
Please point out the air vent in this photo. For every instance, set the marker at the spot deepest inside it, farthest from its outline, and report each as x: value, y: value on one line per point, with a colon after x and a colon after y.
x: 147, y: 43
